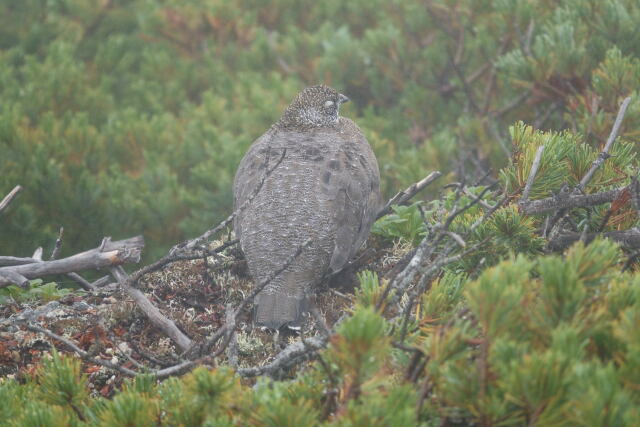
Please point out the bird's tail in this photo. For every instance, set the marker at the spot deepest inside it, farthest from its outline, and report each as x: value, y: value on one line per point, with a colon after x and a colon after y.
x: 281, y: 304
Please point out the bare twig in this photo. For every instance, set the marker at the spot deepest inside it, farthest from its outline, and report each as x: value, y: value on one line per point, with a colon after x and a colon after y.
x: 605, y: 152
x: 408, y: 193
x: 9, y: 197
x: 567, y: 200
x: 86, y: 285
x: 104, y: 280
x: 58, y: 245
x: 83, y: 354
x: 232, y: 348
x: 532, y: 174
x: 287, y: 356
x: 151, y: 311
x: 627, y: 238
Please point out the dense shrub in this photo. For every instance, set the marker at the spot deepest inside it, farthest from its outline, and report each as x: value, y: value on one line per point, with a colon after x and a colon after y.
x: 130, y: 117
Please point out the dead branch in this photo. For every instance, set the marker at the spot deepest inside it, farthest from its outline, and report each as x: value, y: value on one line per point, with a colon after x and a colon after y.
x: 13, y: 260
x: 83, y: 354
x: 107, y: 255
x: 232, y: 348
x: 568, y: 201
x: 151, y: 311
x: 58, y: 245
x: 9, y: 197
x: 628, y: 238
x: 85, y: 284
x: 287, y: 357
x: 605, y: 152
x: 408, y: 193
x: 8, y: 277
x: 421, y: 262
x: 532, y: 175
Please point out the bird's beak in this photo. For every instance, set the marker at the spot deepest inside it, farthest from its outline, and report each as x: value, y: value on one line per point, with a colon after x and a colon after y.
x: 342, y: 99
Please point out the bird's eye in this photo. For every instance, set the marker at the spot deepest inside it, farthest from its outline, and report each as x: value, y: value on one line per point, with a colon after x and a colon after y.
x: 328, y: 104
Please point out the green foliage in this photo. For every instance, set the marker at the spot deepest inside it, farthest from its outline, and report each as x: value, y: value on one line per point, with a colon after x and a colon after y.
x: 405, y: 223
x: 541, y: 355
x: 60, y: 382
x: 133, y: 116
x: 370, y: 291
x: 36, y: 291
x: 565, y: 160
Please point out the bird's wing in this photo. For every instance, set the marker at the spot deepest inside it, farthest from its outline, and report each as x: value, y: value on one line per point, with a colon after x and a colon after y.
x: 351, y: 181
x: 251, y: 171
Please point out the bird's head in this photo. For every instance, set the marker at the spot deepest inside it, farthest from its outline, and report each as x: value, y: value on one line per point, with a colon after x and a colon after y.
x: 314, y: 106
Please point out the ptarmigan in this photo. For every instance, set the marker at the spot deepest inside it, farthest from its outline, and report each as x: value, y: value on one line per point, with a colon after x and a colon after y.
x: 321, y: 182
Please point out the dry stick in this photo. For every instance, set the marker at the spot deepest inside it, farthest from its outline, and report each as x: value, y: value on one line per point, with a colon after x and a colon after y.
x: 73, y: 276
x: 605, y: 152
x: 8, y: 277
x: 532, y: 175
x: 566, y: 201
x: 232, y: 348
x: 408, y: 193
x: 151, y: 311
x: 9, y: 197
x: 285, y: 358
x: 13, y: 260
x: 627, y: 238
x: 109, y: 254
x: 58, y: 245
x: 104, y: 280
x: 160, y: 373
x: 85, y: 284
x: 83, y: 354
x: 8, y: 260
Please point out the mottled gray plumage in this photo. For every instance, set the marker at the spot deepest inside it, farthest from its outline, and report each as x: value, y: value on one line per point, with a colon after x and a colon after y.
x: 325, y: 188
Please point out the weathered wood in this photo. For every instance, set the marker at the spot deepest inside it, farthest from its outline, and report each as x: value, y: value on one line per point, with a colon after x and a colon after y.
x: 107, y: 255
x: 404, y: 196
x: 628, y: 238
x: 9, y: 197
x: 11, y: 277
x: 14, y: 260
x: 151, y: 311
x: 531, y: 207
